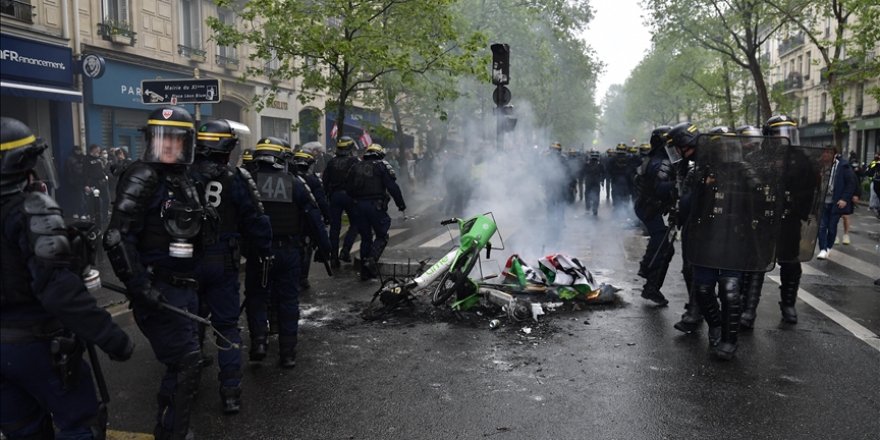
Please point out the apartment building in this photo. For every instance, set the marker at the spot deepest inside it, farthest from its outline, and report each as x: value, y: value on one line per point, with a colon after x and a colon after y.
x: 797, y: 70
x: 72, y: 70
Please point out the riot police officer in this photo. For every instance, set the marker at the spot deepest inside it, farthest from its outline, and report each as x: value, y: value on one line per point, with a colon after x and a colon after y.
x: 293, y: 214
x: 150, y: 242
x: 619, y: 172
x: 372, y: 180
x: 47, y: 313
x: 335, y: 179
x: 594, y: 174
x: 231, y: 194
x: 557, y: 188
x: 655, y: 185
x: 303, y: 163
x: 799, y: 198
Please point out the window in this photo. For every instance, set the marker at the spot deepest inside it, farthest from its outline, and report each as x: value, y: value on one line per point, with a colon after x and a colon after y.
x: 227, y: 53
x: 273, y: 63
x: 116, y: 10
x: 800, y: 64
x: 19, y: 9
x: 808, y: 65
x: 806, y: 111
x: 191, y: 24
x: 823, y: 107
x: 277, y: 127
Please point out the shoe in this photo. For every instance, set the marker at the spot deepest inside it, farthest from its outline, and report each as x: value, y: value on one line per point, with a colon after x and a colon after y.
x: 846, y: 239
x: 837, y: 240
x: 259, y: 349
x: 714, y: 336
x: 230, y: 397
x: 823, y: 254
x: 656, y: 297
x: 287, y: 360
x: 725, y: 351
x: 345, y: 257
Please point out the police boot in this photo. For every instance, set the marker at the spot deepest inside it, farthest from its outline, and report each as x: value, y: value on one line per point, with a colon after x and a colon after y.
x: 752, y: 283
x: 230, y: 397
x: 368, y: 269
x: 705, y: 296
x: 287, y: 352
x: 345, y: 256
x: 651, y: 290
x: 259, y: 348
x: 730, y: 315
x: 691, y: 318
x: 790, y: 280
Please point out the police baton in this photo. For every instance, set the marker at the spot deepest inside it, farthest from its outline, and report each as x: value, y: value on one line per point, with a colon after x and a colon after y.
x: 98, y: 373
x: 164, y: 305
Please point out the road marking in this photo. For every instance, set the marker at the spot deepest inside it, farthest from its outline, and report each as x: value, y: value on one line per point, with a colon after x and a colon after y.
x: 438, y: 240
x: 391, y: 233
x: 854, y: 264
x: 124, y: 435
x: 810, y: 270
x: 844, y: 321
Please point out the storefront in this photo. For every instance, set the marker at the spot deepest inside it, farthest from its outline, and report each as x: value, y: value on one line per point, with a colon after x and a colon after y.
x: 356, y: 120
x: 867, y: 137
x: 36, y: 83
x: 114, y: 110
x: 821, y: 135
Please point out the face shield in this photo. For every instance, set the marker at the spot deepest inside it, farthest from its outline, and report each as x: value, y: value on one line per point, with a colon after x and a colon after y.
x: 44, y: 169
x: 673, y: 153
x: 169, y: 145
x: 787, y: 131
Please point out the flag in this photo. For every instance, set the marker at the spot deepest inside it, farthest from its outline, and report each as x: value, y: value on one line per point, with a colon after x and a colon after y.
x: 366, y: 140
x: 334, y: 131
x: 569, y: 275
x: 518, y: 270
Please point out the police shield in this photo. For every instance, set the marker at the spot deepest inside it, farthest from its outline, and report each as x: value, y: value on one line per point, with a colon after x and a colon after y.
x: 804, y: 184
x: 737, y: 202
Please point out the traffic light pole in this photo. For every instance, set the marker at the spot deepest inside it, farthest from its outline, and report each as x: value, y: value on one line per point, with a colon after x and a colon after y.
x: 499, y: 131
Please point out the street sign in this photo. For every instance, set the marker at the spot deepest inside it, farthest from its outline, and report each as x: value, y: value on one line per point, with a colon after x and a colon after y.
x: 180, y: 91
x: 501, y: 95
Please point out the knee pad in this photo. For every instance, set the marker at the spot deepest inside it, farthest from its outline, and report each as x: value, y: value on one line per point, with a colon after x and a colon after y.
x: 729, y: 290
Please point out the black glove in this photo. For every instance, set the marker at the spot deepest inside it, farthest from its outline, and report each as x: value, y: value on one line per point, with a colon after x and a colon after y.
x: 401, y: 208
x: 147, y: 297
x: 124, y: 354
x: 321, y: 256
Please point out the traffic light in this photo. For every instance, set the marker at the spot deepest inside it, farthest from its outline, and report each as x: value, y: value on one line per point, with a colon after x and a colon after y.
x: 500, y: 64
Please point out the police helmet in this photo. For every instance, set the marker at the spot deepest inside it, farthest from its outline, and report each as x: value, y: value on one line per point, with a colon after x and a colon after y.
x: 344, y: 146
x: 19, y: 152
x: 683, y: 135
x: 748, y: 130
x: 271, y: 148
x: 170, y: 136
x: 644, y: 149
x: 632, y: 150
x: 216, y: 137
x: 595, y: 155
x: 302, y: 161
x: 621, y: 147
x: 375, y: 151
x: 314, y: 148
x: 247, y: 156
x: 659, y: 136
x: 783, y: 126
x: 556, y: 146
x: 720, y: 130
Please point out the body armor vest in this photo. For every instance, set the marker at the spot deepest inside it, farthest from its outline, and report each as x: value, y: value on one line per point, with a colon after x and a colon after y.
x: 276, y: 189
x: 14, y: 270
x: 337, y: 172
x: 366, y: 181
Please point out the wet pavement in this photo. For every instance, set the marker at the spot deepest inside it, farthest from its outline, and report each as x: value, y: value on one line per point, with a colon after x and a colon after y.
x: 618, y: 371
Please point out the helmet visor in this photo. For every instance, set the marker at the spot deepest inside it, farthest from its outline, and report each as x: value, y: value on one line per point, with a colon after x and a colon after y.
x: 169, y: 145
x: 45, y: 166
x: 673, y: 153
x: 787, y: 131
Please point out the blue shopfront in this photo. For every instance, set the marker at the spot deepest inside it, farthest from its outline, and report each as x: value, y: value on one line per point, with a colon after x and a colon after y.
x: 114, y: 110
x: 356, y: 120
x: 36, y: 83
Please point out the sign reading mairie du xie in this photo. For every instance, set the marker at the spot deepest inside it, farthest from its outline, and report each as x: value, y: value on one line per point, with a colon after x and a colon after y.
x: 180, y: 91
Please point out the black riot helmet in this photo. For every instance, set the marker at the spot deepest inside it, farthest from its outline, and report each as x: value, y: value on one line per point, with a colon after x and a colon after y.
x: 659, y: 136
x: 681, y: 138
x: 302, y: 161
x: 720, y: 130
x: 170, y: 136
x: 783, y: 126
x: 216, y: 137
x: 375, y: 151
x: 748, y: 130
x: 344, y: 146
x: 19, y: 152
x: 272, y: 149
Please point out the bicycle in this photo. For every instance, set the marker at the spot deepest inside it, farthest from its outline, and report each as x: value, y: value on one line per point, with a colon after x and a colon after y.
x: 452, y: 270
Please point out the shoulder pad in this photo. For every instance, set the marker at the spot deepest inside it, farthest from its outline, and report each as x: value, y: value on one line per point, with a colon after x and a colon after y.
x: 47, y: 232
x: 664, y: 170
x: 389, y: 168
x: 135, y: 186
x: 252, y: 188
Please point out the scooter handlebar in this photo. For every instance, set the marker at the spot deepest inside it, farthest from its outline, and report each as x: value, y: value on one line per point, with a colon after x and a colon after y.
x: 449, y: 221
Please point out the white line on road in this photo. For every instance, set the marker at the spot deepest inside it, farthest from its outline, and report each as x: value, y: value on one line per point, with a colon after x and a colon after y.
x: 810, y: 270
x: 391, y: 233
x: 854, y: 264
x: 438, y: 240
x: 844, y: 321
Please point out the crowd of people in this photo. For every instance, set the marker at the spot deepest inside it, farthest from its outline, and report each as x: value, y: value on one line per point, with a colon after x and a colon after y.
x: 90, y: 180
x: 181, y: 218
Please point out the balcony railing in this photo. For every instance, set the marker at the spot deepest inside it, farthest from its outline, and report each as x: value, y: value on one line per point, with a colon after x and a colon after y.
x: 192, y: 53
x: 20, y: 10
x: 119, y: 32
x: 791, y: 43
x: 229, y: 62
x: 794, y: 81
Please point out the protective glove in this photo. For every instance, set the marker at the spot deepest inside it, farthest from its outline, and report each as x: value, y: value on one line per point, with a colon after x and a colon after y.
x: 321, y: 255
x: 401, y: 207
x: 124, y: 354
x: 147, y: 297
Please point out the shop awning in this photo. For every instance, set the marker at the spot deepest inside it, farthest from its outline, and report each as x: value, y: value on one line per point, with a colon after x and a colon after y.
x: 40, y: 91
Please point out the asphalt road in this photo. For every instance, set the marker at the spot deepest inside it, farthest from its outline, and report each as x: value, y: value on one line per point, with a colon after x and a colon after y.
x: 618, y: 371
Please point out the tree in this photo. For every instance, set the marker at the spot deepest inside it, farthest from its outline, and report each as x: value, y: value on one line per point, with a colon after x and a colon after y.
x: 736, y: 29
x: 809, y: 17
x: 343, y: 47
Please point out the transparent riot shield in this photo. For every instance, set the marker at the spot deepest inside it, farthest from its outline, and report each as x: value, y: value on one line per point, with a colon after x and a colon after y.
x: 807, y: 172
x: 737, y: 202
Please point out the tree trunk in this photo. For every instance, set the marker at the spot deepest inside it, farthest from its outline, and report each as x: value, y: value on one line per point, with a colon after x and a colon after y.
x: 398, y: 122
x: 837, y: 120
x: 760, y: 89
x: 728, y: 96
